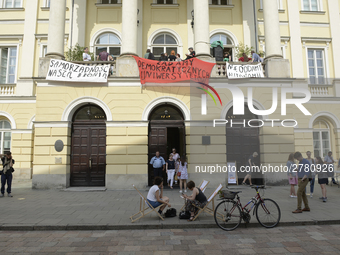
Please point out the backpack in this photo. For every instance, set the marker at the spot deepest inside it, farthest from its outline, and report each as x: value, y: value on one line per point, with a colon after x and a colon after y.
x: 184, y: 215
x: 170, y: 213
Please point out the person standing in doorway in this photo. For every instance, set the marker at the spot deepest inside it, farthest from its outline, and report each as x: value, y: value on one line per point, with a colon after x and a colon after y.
x: 175, y: 156
x: 312, y: 163
x: 6, y: 173
x: 170, y: 170
x: 252, y: 166
x: 183, y: 174
x: 330, y: 161
x: 303, y: 177
x: 292, y: 177
x: 158, y: 164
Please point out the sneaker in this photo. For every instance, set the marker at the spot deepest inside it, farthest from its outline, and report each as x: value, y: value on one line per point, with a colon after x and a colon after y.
x: 311, y: 195
x: 324, y: 199
x: 185, y: 191
x: 291, y: 196
x: 243, y: 183
x: 180, y: 191
x: 10, y: 195
x: 2, y: 195
x: 335, y: 183
x: 297, y: 211
x: 306, y: 210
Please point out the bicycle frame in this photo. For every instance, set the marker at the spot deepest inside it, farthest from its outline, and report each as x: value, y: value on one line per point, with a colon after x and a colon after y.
x: 253, y: 203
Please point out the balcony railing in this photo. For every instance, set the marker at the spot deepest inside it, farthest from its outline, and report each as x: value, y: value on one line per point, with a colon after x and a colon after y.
x: 219, y: 68
x: 321, y: 90
x: 7, y: 89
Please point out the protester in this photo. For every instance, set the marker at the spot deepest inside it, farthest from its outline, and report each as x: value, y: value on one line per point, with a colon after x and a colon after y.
x: 163, y: 57
x: 197, y: 199
x: 303, y: 177
x: 183, y: 174
x: 226, y: 57
x: 244, y: 58
x: 292, y: 177
x: 256, y: 57
x: 155, y: 195
x: 322, y: 178
x: 103, y: 56
x: 251, y: 165
x: 172, y: 56
x: 146, y: 55
x: 158, y: 164
x: 192, y: 53
x: 311, y: 183
x: 178, y: 57
x: 86, y: 56
x: 151, y: 56
x: 6, y: 173
x: 170, y: 170
x: 330, y: 161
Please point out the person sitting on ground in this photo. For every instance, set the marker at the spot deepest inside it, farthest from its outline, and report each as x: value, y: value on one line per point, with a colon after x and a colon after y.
x: 192, y: 53
x: 197, y: 199
x: 172, y: 56
x: 155, y: 196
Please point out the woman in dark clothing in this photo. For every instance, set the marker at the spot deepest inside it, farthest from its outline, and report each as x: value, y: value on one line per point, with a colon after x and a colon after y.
x: 197, y: 199
x: 163, y: 57
x: 172, y: 56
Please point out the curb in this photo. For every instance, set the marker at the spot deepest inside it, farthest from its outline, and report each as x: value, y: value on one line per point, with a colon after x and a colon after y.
x: 153, y: 226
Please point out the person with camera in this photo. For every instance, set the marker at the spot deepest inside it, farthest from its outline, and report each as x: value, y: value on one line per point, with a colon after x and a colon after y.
x: 6, y: 173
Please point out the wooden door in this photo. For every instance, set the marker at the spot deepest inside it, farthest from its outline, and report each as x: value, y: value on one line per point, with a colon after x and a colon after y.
x: 88, y: 155
x: 157, y: 142
x: 241, y: 143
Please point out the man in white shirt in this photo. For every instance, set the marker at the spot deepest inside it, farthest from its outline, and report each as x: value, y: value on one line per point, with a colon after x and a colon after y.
x: 329, y: 160
x: 86, y: 56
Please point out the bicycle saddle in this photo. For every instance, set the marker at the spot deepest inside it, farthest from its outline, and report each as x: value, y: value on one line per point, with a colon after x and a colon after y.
x: 258, y: 187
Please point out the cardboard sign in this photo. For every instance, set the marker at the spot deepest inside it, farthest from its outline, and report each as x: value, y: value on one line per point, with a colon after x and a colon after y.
x: 244, y: 71
x: 60, y: 70
x: 173, y: 71
x: 232, y: 173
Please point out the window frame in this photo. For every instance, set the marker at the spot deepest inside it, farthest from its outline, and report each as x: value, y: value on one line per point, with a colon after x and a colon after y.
x: 319, y: 131
x: 325, y: 62
x: 95, y: 46
x: 3, y: 4
x: 16, y: 62
x: 229, y: 3
x: 319, y: 5
x: 164, y: 45
x: 118, y: 2
x: 279, y: 4
x: 232, y: 46
x: 2, y: 135
x: 174, y: 2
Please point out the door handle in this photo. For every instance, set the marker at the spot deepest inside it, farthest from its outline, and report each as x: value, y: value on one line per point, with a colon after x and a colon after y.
x: 90, y: 162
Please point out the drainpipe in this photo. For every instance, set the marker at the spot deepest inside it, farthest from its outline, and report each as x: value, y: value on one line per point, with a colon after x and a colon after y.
x: 71, y: 32
x: 255, y: 24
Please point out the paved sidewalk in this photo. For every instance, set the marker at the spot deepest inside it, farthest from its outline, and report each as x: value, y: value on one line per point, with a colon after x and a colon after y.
x: 104, y: 210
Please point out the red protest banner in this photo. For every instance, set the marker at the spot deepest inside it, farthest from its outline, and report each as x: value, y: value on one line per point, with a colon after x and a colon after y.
x: 173, y: 71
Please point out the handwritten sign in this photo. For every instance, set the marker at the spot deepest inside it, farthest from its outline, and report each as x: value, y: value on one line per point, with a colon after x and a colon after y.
x: 244, y: 71
x: 60, y: 70
x: 232, y: 173
x: 173, y: 71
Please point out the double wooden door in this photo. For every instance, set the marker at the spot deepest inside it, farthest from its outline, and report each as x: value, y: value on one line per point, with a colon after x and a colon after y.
x: 88, y: 154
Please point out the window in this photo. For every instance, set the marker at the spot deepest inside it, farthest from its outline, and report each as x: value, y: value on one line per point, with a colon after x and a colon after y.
x: 8, y: 62
x: 219, y: 2
x: 5, y: 136
x: 321, y: 139
x: 11, y: 3
x: 228, y: 44
x: 165, y: 2
x: 311, y: 5
x: 47, y: 3
x: 316, y: 66
x: 164, y: 43
x: 44, y: 50
x: 110, y: 1
x: 110, y: 43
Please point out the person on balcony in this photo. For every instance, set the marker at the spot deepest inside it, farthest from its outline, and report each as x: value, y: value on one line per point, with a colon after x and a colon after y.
x: 103, y: 56
x: 163, y: 57
x: 192, y: 53
x: 86, y: 56
x: 256, y: 57
x: 146, y: 55
x: 244, y: 58
x: 178, y: 57
x: 172, y: 56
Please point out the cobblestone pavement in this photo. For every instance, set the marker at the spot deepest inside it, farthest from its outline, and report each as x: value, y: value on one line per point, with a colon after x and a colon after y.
x: 281, y: 240
x: 111, y: 209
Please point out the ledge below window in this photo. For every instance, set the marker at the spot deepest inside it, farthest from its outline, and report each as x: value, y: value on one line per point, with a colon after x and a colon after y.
x: 109, y: 5
x: 165, y: 5
x: 48, y: 8
x: 229, y: 6
x: 280, y: 10
x: 11, y: 9
x: 313, y: 12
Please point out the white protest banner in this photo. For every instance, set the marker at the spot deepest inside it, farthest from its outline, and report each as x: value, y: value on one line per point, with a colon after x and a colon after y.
x: 232, y: 173
x: 60, y: 70
x: 244, y: 71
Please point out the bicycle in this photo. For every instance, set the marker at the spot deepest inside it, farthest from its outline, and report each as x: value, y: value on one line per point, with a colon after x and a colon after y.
x: 229, y: 213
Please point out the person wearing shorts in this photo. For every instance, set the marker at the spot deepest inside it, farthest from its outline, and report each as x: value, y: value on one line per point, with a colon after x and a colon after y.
x: 322, y: 178
x: 155, y: 195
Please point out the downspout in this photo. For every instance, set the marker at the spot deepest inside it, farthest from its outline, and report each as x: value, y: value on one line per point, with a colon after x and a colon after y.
x: 71, y: 32
x: 255, y: 24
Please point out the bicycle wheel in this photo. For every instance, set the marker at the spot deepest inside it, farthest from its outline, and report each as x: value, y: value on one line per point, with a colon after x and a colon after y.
x: 227, y: 215
x: 268, y: 213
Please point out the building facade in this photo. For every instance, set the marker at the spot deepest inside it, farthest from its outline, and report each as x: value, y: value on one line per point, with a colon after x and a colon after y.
x: 92, y: 134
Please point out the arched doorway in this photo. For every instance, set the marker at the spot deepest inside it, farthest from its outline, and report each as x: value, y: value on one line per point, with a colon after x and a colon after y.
x: 243, y: 141
x: 166, y: 131
x: 88, y: 147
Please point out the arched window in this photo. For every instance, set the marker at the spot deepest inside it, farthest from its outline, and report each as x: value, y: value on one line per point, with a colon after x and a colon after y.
x: 228, y: 43
x: 321, y: 138
x: 166, y: 112
x: 5, y: 136
x: 108, y: 42
x: 164, y: 43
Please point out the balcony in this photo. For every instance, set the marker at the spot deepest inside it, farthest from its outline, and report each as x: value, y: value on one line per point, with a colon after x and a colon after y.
x: 7, y: 90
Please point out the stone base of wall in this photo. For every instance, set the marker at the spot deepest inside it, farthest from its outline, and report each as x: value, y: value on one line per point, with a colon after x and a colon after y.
x: 22, y: 173
x: 126, y: 181
x: 50, y: 181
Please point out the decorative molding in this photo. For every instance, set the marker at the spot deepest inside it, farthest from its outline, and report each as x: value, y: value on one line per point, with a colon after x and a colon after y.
x: 166, y: 99
x: 30, y: 123
x: 330, y: 116
x: 10, y: 118
x: 315, y: 39
x: 303, y: 130
x: 11, y: 9
x: 127, y: 123
x: 102, y: 31
x: 46, y: 21
x: 164, y: 5
x: 22, y: 131
x: 167, y: 31
x: 282, y: 23
x: 52, y: 124
x: 313, y: 12
x: 313, y: 24
x: 19, y: 37
x: 19, y: 101
x: 13, y: 21
x: 72, y: 107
